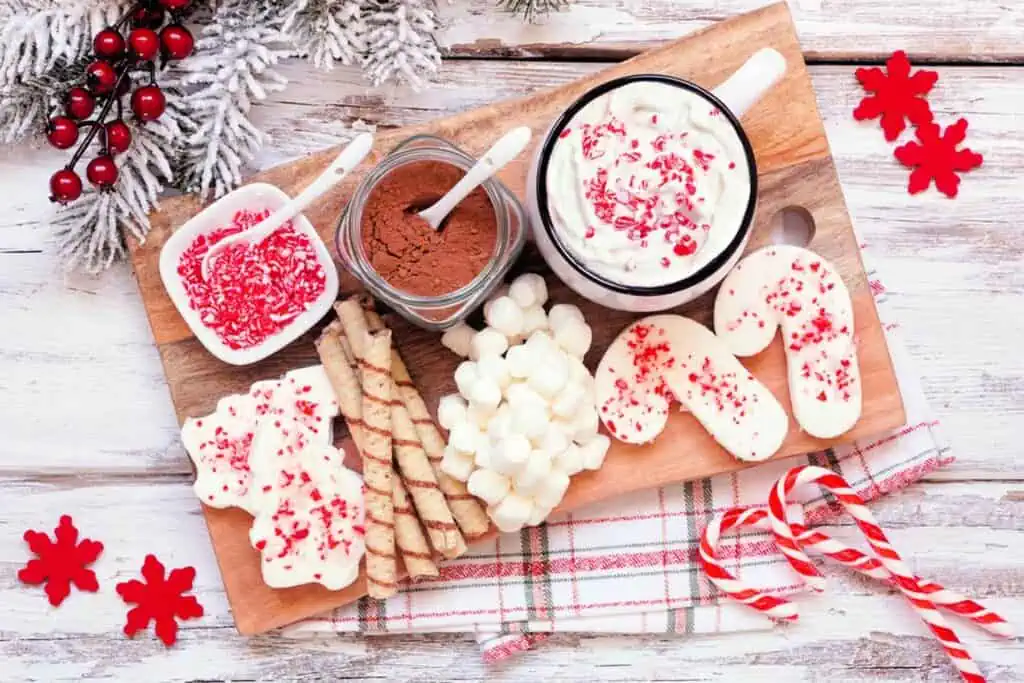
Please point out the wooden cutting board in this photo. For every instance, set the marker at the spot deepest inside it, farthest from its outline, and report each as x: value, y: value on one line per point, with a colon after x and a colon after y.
x: 795, y: 170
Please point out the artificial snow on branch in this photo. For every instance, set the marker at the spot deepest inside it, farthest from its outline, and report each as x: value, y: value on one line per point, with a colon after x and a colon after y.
x: 230, y: 69
x: 400, y: 42
x: 326, y: 31
x: 90, y: 231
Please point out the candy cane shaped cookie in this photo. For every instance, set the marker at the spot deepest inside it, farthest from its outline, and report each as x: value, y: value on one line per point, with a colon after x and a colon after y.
x: 666, y: 358
x: 876, y: 538
x: 779, y: 609
x: 797, y: 290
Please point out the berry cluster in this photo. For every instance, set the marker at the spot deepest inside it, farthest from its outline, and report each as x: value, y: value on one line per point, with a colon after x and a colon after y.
x: 117, y: 56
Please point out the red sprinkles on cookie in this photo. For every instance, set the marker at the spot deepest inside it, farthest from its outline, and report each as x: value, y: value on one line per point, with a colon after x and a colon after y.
x: 61, y: 562
x: 937, y: 157
x: 898, y: 96
x: 160, y: 600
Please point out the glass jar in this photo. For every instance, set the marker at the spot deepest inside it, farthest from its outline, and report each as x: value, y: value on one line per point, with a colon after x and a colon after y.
x: 432, y: 312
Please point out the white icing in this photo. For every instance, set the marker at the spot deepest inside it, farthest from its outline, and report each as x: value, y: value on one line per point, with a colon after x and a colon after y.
x: 647, y: 183
x: 666, y: 358
x: 795, y: 289
x: 309, y: 508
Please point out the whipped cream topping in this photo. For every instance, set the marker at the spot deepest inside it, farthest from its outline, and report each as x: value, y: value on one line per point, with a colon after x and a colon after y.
x: 648, y: 183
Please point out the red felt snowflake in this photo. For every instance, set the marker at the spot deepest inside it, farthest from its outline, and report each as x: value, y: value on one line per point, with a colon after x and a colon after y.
x: 160, y: 600
x: 898, y: 96
x: 61, y: 563
x: 936, y: 157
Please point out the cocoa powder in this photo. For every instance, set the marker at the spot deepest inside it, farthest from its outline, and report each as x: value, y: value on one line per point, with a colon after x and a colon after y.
x: 403, y: 248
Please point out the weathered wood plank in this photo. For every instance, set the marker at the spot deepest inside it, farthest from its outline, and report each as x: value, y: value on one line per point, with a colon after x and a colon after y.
x: 967, y: 536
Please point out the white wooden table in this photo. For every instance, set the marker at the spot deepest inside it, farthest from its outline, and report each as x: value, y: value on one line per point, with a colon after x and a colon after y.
x: 87, y: 426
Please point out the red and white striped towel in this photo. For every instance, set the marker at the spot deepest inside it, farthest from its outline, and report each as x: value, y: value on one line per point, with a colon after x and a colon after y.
x: 630, y: 565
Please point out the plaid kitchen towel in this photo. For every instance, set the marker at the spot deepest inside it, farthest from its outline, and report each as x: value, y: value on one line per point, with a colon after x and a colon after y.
x: 630, y: 565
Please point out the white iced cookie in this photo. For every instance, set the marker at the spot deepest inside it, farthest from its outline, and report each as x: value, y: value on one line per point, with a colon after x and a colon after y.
x: 308, y: 394
x: 529, y: 291
x: 668, y: 357
x: 459, y: 339
x: 219, y: 446
x: 794, y: 289
x: 309, y: 519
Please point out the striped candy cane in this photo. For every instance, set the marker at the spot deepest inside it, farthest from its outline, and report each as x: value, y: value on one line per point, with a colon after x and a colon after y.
x: 779, y: 609
x: 889, y: 558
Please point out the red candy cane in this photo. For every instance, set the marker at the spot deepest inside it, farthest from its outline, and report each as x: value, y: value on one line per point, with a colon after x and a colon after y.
x: 779, y: 609
x: 889, y: 558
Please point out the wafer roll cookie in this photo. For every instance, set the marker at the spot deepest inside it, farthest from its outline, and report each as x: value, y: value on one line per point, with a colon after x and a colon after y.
x: 419, y: 562
x: 340, y: 368
x: 419, y: 478
x: 353, y: 321
x: 467, y: 511
x: 381, y: 571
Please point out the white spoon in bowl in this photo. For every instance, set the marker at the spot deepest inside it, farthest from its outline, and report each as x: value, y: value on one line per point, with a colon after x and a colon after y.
x: 501, y: 152
x: 350, y: 157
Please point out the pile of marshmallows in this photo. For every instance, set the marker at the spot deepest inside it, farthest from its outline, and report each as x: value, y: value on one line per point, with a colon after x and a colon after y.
x: 524, y: 419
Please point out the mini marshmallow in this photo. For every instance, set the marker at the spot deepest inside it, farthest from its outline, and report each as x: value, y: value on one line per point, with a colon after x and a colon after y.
x: 541, y: 340
x: 482, y: 457
x: 505, y: 316
x: 478, y: 414
x: 457, y: 339
x: 585, y: 424
x: 456, y: 465
x: 520, y: 393
x: 579, y: 374
x: 501, y: 291
x: 488, y: 486
x: 569, y: 401
x: 518, y: 360
x: 536, y: 469
x: 485, y: 394
x: 549, y: 376
x: 500, y: 424
x: 552, y: 489
x: 560, y: 313
x: 570, y: 460
x: 512, y: 512
x: 451, y: 410
x: 466, y: 375
x: 530, y: 419
x: 529, y: 290
x: 554, y: 442
x: 575, y: 337
x: 534, y: 318
x: 538, y: 515
x: 488, y: 342
x: 594, y: 452
x: 496, y: 369
x: 509, y: 455
x: 463, y: 437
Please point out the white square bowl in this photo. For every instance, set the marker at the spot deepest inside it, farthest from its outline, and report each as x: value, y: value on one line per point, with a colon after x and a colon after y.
x: 253, y: 197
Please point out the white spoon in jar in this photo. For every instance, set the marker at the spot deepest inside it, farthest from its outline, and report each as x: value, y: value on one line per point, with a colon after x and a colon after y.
x: 507, y: 148
x: 350, y: 157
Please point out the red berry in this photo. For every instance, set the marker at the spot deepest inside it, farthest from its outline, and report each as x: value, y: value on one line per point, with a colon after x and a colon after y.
x: 62, y: 132
x: 108, y: 44
x: 65, y: 186
x: 79, y: 103
x: 119, y: 136
x: 101, y: 171
x: 148, y: 17
x: 148, y: 102
x: 101, y: 77
x: 176, y: 41
x: 175, y: 4
x: 144, y: 43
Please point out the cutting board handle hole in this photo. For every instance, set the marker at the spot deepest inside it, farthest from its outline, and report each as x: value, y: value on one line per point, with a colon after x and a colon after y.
x: 793, y: 225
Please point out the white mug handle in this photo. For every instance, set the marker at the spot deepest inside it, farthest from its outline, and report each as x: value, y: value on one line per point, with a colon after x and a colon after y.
x: 751, y: 81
